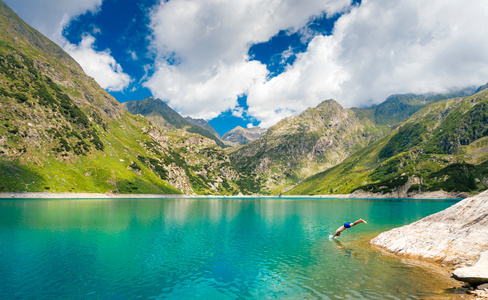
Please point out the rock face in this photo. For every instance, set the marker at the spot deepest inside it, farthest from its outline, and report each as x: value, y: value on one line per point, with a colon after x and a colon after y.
x: 456, y: 235
x: 475, y: 275
x: 192, y: 163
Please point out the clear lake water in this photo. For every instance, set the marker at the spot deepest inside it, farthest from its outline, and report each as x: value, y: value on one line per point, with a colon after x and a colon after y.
x: 251, y: 248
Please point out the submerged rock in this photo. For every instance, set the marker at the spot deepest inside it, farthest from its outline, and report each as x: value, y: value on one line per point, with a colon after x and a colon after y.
x: 475, y: 275
x: 456, y: 235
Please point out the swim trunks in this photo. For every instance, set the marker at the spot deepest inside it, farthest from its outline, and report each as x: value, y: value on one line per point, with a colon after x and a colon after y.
x: 347, y: 225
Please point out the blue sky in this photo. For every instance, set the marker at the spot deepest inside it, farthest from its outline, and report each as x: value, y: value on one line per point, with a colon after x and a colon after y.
x: 254, y: 62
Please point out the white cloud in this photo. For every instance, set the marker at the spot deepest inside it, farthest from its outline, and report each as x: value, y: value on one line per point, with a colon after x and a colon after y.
x: 286, y: 54
x: 303, y: 85
x: 209, y: 42
x: 205, y: 94
x: 50, y: 17
x: 238, y: 112
x: 133, y: 54
x: 99, y: 64
x: 382, y: 47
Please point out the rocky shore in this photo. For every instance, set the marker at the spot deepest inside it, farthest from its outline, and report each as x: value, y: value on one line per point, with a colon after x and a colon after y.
x: 30, y: 195
x: 355, y: 195
x: 456, y: 237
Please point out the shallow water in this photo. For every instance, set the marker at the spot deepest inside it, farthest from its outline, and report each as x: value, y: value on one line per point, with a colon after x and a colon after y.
x: 207, y: 249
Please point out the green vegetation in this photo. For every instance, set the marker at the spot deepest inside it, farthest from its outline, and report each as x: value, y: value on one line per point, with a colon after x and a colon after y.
x: 442, y: 147
x: 60, y: 132
x: 385, y: 186
x: 408, y: 135
x: 398, y: 108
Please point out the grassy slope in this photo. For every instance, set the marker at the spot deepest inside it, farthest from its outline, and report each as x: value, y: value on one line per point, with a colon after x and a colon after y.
x: 44, y: 168
x: 59, y: 131
x: 444, y: 146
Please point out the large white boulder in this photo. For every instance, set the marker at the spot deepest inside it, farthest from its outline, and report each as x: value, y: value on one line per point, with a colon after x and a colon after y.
x: 456, y: 235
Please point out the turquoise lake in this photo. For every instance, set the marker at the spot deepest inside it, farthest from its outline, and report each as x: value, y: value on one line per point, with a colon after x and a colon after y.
x: 256, y: 248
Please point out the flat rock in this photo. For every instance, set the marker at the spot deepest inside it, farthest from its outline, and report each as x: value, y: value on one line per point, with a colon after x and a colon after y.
x: 475, y: 275
x: 455, y: 236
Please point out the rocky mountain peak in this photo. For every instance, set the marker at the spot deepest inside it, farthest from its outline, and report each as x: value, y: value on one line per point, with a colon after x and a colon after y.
x: 330, y: 103
x: 241, y: 136
x: 327, y: 108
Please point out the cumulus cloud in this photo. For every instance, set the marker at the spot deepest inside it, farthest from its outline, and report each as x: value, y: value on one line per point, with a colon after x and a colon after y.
x: 202, y: 48
x: 99, y: 64
x: 380, y: 48
x: 50, y: 17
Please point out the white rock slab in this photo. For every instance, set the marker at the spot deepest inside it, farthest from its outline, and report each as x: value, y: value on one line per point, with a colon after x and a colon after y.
x: 456, y: 235
x: 475, y: 275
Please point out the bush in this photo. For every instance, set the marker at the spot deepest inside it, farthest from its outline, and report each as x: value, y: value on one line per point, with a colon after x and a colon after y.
x: 134, y: 166
x: 21, y: 98
x: 64, y: 144
x: 97, y: 142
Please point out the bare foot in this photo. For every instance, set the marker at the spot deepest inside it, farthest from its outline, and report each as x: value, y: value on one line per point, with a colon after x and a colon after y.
x: 362, y: 221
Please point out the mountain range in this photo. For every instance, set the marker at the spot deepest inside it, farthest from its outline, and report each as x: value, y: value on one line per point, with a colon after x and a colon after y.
x: 61, y: 132
x: 322, y: 137
x: 444, y: 146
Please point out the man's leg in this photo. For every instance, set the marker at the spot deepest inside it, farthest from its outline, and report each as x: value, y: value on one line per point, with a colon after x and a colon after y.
x: 358, y: 221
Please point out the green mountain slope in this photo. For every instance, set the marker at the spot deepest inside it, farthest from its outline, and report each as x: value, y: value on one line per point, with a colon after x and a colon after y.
x: 322, y: 137
x: 204, y: 124
x: 303, y: 145
x: 204, y: 167
x: 444, y: 146
x: 61, y: 132
x: 397, y: 108
x: 163, y: 116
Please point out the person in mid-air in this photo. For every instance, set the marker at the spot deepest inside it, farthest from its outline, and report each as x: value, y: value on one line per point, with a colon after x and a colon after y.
x: 347, y: 225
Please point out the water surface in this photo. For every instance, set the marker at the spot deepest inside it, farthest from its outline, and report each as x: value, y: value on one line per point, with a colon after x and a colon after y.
x: 206, y: 249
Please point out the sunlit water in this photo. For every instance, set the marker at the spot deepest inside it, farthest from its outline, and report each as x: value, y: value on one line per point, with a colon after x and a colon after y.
x: 206, y: 249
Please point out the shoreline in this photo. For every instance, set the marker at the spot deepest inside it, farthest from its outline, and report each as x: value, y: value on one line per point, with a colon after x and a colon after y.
x: 439, y: 195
